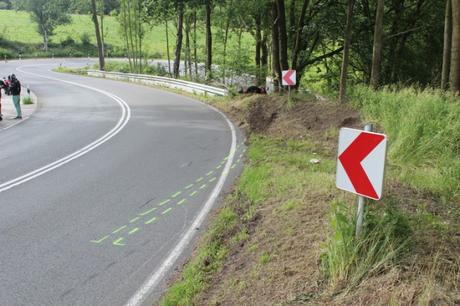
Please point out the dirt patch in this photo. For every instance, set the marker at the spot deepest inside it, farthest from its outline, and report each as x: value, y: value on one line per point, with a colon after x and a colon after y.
x: 274, y: 116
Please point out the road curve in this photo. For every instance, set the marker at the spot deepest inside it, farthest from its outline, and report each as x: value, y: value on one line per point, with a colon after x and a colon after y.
x: 104, y: 187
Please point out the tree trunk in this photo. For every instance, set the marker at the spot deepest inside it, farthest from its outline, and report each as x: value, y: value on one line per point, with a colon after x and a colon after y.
x: 195, y: 49
x: 447, y: 46
x: 264, y: 59
x: 180, y: 25
x: 346, y: 52
x: 300, y: 25
x: 282, y: 32
x: 168, y: 52
x: 275, y: 46
x: 208, y: 40
x: 258, y: 37
x: 102, y: 27
x: 378, y: 46
x: 98, y: 36
x: 188, y: 56
x: 226, y: 31
x: 455, y: 57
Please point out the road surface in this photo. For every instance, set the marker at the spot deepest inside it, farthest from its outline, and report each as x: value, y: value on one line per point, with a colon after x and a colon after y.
x: 100, y: 190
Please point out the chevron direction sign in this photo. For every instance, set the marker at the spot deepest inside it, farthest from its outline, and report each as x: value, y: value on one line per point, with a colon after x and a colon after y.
x: 361, y: 162
x: 289, y: 77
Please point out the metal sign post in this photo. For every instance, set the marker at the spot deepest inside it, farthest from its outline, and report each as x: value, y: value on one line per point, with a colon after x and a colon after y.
x: 361, y: 199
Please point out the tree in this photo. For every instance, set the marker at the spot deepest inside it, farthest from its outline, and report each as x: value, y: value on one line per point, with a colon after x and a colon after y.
x: 346, y: 52
x: 131, y: 19
x: 208, y: 11
x: 282, y: 35
x: 378, y: 45
x: 447, y: 46
x: 455, y: 57
x: 179, y: 38
x: 100, y: 43
x: 47, y: 14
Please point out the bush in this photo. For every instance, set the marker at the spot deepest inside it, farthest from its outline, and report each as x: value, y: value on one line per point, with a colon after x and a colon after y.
x: 422, y: 126
x: 69, y: 41
x: 85, y: 39
x: 27, y: 101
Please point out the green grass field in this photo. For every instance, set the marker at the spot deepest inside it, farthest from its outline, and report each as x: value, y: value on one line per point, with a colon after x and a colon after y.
x: 18, y: 27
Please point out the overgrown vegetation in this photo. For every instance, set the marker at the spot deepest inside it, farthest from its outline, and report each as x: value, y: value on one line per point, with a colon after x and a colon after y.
x: 347, y: 259
x: 422, y: 125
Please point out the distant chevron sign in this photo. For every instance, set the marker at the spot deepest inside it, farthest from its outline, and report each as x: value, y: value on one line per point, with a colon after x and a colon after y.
x: 289, y: 78
x: 361, y: 162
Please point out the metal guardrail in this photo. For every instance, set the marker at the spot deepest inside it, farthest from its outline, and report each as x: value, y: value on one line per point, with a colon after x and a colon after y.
x: 191, y: 87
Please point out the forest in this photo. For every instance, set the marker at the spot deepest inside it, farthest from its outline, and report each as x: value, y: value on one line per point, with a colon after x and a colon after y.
x: 328, y: 42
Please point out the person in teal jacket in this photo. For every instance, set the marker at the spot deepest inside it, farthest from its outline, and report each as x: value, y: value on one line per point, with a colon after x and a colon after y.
x: 15, y: 88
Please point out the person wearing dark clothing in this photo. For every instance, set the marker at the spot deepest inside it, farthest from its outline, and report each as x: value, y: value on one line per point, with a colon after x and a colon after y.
x: 2, y: 86
x: 15, y: 88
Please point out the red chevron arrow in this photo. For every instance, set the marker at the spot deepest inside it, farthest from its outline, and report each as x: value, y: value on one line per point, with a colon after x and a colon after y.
x: 287, y: 78
x: 351, y: 160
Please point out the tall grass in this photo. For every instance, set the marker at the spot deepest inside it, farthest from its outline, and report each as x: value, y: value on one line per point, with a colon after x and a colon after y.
x: 423, y: 128
x: 347, y: 260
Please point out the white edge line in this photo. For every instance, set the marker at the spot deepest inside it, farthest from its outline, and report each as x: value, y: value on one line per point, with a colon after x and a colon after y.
x: 124, y: 119
x: 152, y: 282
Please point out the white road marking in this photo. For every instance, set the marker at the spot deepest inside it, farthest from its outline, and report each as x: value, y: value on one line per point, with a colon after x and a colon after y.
x: 153, y: 281
x: 124, y: 119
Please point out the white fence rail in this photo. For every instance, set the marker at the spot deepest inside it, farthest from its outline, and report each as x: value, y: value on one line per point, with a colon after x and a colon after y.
x: 191, y: 87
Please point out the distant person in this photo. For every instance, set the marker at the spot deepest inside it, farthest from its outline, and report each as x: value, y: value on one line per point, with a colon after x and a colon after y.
x: 7, y: 82
x: 2, y: 86
x: 15, y: 88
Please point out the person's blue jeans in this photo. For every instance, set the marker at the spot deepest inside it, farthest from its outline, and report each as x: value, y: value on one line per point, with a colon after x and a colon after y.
x: 17, y: 105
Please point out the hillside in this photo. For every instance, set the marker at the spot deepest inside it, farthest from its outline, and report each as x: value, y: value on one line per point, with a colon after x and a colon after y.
x: 285, y: 236
x: 17, y: 32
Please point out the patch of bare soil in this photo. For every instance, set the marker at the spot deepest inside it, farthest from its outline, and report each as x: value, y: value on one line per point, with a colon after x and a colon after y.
x: 272, y: 115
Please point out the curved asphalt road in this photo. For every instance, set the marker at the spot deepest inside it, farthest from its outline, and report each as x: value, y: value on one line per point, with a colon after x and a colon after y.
x: 93, y: 229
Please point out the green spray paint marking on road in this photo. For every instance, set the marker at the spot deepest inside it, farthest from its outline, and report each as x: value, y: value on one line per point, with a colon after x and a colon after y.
x: 134, y: 230
x: 118, y: 242
x: 148, y: 212
x: 183, y: 201
x: 119, y: 229
x: 100, y: 240
x: 151, y: 221
x: 134, y: 220
x: 164, y: 202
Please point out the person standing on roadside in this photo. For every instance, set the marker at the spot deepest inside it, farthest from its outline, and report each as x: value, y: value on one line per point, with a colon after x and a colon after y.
x: 2, y: 86
x: 15, y: 88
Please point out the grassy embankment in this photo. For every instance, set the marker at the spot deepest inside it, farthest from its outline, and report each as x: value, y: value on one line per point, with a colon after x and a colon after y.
x: 285, y: 236
x: 18, y: 35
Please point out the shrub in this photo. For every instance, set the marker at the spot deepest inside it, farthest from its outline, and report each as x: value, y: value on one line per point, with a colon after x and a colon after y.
x: 69, y: 41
